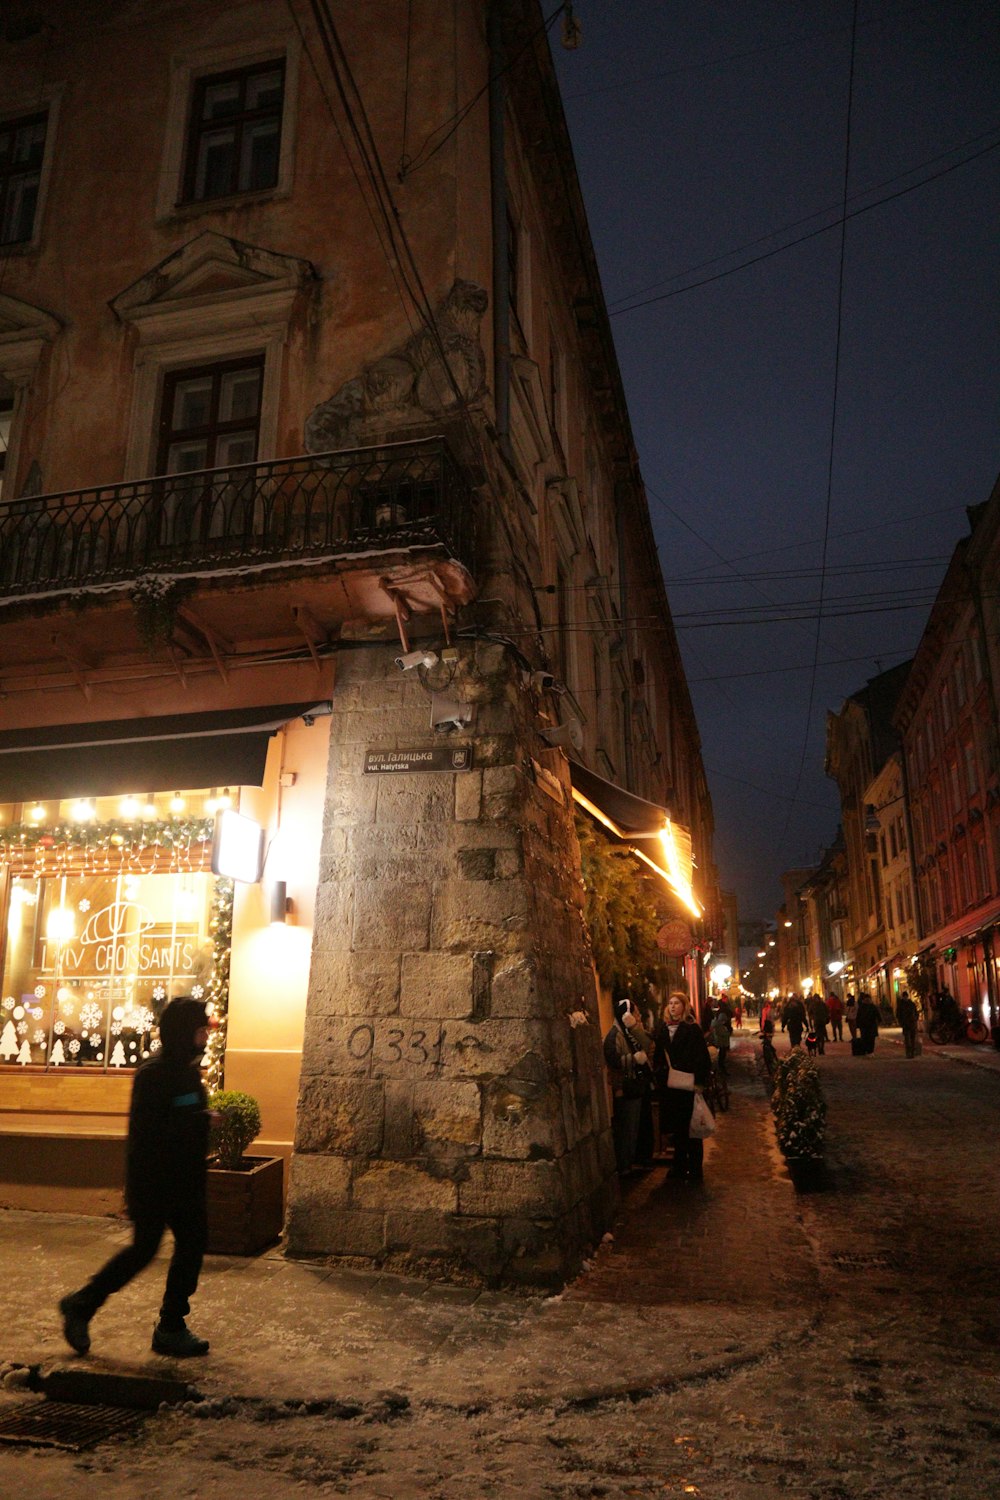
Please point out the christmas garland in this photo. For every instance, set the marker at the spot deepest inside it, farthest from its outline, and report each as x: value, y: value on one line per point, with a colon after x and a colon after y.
x: 221, y: 928
x: 128, y: 839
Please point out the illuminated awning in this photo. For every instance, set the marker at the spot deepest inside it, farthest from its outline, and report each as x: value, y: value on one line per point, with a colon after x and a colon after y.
x: 630, y: 817
x: 225, y: 748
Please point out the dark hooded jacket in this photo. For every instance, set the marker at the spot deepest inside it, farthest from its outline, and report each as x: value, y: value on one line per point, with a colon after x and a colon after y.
x: 168, y: 1119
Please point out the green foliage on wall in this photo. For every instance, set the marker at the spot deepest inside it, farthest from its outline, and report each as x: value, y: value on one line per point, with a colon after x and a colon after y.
x: 619, y: 908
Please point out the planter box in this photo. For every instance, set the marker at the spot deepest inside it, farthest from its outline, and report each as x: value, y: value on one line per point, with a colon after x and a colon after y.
x: 245, y: 1207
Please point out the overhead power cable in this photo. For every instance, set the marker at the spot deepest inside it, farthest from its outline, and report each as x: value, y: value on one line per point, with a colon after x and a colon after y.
x: 802, y: 239
x: 875, y: 187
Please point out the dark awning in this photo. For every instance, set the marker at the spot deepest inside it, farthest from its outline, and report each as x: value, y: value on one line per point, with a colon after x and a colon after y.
x: 225, y: 748
x: 636, y: 817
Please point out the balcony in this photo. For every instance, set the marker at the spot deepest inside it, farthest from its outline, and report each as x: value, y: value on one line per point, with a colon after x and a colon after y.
x: 318, y: 507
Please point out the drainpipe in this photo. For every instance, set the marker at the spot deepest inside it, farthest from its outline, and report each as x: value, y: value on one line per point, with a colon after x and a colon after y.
x: 498, y: 200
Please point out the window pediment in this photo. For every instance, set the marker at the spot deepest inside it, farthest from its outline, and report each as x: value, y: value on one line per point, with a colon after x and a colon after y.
x: 212, y: 284
x: 24, y: 331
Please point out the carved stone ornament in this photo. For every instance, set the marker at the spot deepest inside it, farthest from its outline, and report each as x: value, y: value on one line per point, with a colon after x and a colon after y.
x: 411, y: 383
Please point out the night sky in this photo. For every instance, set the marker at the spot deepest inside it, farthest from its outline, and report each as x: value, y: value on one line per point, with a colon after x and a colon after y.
x: 707, y: 135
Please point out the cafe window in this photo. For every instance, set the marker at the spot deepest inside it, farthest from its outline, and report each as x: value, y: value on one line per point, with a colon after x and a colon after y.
x: 22, y: 149
x: 234, y: 136
x: 110, y: 911
x: 91, y: 959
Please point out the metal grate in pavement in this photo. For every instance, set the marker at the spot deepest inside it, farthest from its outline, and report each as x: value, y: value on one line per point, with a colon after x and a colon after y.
x: 65, y: 1424
x: 874, y: 1260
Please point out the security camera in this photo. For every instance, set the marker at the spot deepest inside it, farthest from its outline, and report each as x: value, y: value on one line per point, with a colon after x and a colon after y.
x: 541, y: 681
x: 448, y: 713
x: 570, y: 733
x: 416, y: 659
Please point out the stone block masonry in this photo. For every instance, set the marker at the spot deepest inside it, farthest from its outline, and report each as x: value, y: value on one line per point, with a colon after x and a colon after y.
x: 449, y: 1116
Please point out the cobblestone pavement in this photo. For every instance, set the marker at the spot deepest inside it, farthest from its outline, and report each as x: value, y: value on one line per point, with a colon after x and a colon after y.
x: 885, y: 1386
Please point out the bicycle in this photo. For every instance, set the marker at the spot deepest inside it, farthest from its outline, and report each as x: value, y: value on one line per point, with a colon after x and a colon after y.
x: 717, y: 1091
x: 947, y: 1029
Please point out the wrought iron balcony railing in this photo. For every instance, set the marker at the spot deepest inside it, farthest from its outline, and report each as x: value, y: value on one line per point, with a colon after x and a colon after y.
x: 367, y: 500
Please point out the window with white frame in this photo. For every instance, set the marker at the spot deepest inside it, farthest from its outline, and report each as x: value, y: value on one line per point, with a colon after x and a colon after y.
x: 22, y: 150
x: 234, y: 132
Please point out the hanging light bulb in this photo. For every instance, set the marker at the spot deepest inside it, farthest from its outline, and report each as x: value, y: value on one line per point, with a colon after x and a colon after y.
x: 82, y: 811
x: 177, y: 804
x: 37, y: 814
x: 224, y: 801
x: 149, y: 810
x: 128, y: 807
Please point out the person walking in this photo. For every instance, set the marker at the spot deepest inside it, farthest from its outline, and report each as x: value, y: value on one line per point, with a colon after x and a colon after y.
x: 165, y: 1177
x: 719, y: 1033
x: 867, y: 1023
x: 851, y: 1015
x: 819, y: 1016
x: 835, y: 1006
x: 680, y: 1048
x: 906, y: 1014
x: 793, y: 1019
x: 628, y: 1055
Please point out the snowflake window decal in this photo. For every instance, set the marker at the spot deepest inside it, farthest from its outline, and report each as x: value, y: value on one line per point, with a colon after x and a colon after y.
x: 83, y: 904
x: 91, y: 1016
x: 39, y: 992
x: 59, y: 1028
x: 74, y: 1047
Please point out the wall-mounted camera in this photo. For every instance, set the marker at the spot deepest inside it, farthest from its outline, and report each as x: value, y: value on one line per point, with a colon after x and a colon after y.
x: 416, y: 659
x: 565, y: 735
x: 448, y: 714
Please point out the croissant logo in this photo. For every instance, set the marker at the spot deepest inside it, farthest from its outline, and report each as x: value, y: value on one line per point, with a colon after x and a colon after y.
x: 122, y: 919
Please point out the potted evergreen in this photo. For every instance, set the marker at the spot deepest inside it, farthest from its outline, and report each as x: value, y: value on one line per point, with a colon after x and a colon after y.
x: 800, y: 1117
x: 244, y: 1192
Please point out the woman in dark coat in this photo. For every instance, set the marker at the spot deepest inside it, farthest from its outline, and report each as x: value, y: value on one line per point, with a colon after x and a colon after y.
x: 867, y: 1023
x: 680, y: 1044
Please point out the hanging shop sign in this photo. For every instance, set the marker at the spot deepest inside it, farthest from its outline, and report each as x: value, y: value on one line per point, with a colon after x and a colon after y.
x: 433, y: 758
x: 674, y: 938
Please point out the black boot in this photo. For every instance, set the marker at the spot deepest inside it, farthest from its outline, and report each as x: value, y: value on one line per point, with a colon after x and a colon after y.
x: 76, y: 1323
x: 179, y: 1342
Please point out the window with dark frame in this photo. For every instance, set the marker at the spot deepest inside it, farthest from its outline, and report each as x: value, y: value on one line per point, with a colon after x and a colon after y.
x: 210, y: 416
x: 6, y: 422
x: 22, y: 147
x: 234, y: 136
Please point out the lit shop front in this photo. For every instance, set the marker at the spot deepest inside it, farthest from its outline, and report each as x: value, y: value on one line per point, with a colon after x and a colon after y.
x: 110, y: 907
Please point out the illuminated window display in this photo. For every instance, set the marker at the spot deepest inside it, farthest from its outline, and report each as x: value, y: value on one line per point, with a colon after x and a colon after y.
x: 91, y: 959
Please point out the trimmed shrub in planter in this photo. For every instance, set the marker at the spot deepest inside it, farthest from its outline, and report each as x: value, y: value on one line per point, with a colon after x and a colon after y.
x: 799, y: 1112
x: 245, y: 1200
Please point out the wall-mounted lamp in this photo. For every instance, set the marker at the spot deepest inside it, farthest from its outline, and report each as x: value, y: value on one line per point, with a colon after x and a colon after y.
x: 237, y: 847
x: 279, y: 902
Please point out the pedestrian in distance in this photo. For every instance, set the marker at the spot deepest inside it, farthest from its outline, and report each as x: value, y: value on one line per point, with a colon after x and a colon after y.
x: 719, y: 1034
x: 793, y: 1019
x: 835, y: 1006
x: 819, y: 1017
x: 851, y: 1015
x: 682, y: 1066
x: 867, y: 1026
x: 165, y: 1178
x: 907, y: 1015
x: 628, y: 1055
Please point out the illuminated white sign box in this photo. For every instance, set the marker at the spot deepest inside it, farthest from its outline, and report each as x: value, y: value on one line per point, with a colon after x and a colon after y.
x: 237, y: 847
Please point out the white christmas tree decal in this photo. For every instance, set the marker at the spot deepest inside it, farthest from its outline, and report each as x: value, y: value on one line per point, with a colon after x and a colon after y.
x: 8, y: 1042
x: 57, y: 1055
x: 24, y: 1056
x: 118, y: 1056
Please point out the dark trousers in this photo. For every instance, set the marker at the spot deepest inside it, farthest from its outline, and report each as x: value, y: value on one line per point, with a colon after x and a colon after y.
x: 188, y: 1225
x: 910, y: 1037
x: 836, y: 1030
x: 795, y: 1033
x: 625, y: 1118
x: 676, y: 1111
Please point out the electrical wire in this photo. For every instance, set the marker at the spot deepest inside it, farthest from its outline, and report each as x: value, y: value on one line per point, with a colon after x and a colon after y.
x: 449, y: 126
x: 875, y: 187
x: 844, y: 219
x: 834, y: 414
